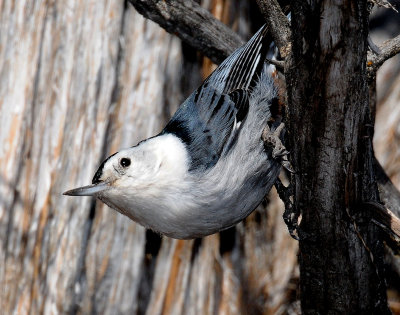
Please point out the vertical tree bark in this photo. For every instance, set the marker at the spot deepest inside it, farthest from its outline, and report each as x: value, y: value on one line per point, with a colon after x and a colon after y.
x: 328, y: 106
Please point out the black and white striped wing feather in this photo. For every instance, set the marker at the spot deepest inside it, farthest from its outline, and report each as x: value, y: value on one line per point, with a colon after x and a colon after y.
x: 241, y: 69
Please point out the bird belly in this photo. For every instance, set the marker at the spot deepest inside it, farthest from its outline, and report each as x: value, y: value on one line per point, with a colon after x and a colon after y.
x: 215, y: 202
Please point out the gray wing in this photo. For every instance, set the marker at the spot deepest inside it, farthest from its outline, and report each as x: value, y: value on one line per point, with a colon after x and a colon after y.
x: 208, y: 121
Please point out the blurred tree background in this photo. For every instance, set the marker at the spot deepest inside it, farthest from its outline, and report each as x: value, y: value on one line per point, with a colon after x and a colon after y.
x: 83, y: 79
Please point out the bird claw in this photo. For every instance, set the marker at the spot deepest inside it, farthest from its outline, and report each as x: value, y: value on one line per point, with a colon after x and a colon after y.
x: 279, y: 152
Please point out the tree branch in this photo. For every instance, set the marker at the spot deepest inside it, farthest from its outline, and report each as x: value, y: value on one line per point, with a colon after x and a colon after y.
x: 385, y: 218
x: 388, y: 193
x: 384, y: 4
x: 387, y: 50
x: 387, y: 215
x: 193, y: 25
x: 278, y: 24
x: 280, y: 65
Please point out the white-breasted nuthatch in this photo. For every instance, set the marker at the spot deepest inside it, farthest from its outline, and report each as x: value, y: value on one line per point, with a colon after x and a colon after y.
x: 208, y: 169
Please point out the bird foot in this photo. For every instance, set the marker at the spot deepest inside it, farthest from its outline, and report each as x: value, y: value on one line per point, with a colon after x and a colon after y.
x: 279, y: 152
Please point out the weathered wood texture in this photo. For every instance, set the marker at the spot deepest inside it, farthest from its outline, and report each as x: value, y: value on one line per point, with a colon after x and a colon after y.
x: 386, y: 145
x: 191, y: 22
x: 79, y: 80
x: 387, y: 132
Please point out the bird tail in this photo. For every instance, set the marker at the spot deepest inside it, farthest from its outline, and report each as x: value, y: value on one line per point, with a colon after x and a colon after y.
x: 242, y: 69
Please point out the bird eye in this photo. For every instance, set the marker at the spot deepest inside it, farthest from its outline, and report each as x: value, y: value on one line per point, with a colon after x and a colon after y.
x: 125, y: 162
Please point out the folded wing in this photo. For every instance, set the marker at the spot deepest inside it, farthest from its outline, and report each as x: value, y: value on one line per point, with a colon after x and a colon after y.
x: 209, y: 121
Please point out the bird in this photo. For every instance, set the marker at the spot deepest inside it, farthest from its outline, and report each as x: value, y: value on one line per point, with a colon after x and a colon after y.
x: 209, y: 168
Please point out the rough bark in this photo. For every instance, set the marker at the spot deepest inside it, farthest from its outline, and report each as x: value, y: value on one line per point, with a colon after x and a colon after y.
x: 278, y: 24
x: 340, y: 258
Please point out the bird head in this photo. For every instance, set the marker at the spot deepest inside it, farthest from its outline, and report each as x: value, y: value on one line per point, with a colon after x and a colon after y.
x: 138, y: 171
x: 130, y: 169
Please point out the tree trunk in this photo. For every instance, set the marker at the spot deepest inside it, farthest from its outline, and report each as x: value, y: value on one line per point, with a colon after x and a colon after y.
x: 340, y: 258
x: 79, y: 81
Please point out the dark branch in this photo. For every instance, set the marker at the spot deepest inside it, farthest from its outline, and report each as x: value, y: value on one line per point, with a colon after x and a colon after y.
x: 387, y: 50
x: 384, y: 4
x: 388, y: 193
x: 384, y: 218
x: 278, y: 24
x: 280, y: 65
x: 193, y: 24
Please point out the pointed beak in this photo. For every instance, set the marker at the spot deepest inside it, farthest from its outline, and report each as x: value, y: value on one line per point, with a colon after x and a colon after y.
x: 89, y: 190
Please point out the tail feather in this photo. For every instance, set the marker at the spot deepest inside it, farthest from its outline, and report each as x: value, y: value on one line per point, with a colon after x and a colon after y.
x: 243, y: 67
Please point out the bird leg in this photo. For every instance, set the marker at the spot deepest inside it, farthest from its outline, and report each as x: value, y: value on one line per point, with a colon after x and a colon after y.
x: 273, y: 139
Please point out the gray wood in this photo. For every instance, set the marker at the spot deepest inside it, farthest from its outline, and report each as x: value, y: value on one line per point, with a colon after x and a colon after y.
x: 193, y: 24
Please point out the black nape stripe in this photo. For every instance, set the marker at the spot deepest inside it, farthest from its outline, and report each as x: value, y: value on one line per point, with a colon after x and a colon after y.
x: 99, y: 172
x: 179, y: 129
